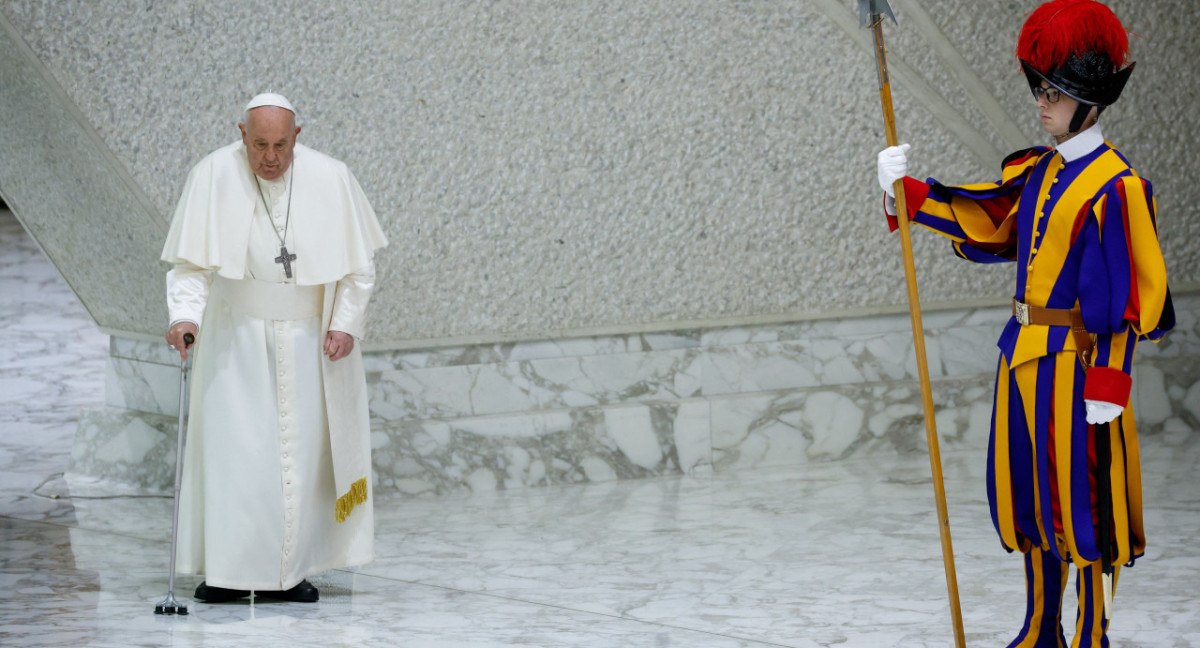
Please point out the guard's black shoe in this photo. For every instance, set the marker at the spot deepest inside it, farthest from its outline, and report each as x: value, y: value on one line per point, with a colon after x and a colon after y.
x: 210, y: 594
x: 304, y: 592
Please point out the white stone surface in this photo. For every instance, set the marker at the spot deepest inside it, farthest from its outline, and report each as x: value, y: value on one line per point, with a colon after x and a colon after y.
x: 633, y: 431
x: 735, y: 398
x: 801, y: 555
x: 693, y: 436
x: 142, y: 386
x: 770, y: 557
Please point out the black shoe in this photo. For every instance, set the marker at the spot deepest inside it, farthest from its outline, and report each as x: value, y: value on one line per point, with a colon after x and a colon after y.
x: 304, y: 592
x: 210, y: 594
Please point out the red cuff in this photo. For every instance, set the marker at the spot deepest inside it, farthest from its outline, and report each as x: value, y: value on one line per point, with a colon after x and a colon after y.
x: 1108, y: 385
x: 915, y: 193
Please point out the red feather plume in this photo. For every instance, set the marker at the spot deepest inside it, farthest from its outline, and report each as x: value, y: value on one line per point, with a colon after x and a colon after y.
x: 1060, y: 28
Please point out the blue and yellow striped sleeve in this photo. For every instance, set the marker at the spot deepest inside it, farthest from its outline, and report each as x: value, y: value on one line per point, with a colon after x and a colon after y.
x: 1127, y: 277
x: 979, y: 218
x: 1124, y: 295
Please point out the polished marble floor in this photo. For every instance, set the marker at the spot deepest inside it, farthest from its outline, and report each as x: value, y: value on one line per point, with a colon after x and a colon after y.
x: 840, y: 554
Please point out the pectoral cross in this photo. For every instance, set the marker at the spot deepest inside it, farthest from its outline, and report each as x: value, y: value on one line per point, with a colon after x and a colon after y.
x: 286, y: 259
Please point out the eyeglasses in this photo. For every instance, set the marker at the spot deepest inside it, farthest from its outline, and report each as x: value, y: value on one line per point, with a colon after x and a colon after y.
x: 1052, y: 94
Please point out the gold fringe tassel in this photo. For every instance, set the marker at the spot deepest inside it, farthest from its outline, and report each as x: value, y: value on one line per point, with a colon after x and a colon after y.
x: 346, y: 503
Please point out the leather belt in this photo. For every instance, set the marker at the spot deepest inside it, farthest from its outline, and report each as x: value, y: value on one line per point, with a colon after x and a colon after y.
x: 1029, y: 315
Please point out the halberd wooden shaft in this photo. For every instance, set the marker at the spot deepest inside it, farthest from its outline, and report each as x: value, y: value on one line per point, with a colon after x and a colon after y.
x: 914, y: 309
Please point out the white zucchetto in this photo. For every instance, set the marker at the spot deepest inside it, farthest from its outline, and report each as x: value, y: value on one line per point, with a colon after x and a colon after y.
x: 270, y: 99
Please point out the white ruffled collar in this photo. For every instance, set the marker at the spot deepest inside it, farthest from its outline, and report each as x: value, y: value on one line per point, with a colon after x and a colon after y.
x: 1083, y: 143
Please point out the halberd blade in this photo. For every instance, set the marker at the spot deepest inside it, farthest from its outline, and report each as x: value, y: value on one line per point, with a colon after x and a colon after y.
x: 868, y: 9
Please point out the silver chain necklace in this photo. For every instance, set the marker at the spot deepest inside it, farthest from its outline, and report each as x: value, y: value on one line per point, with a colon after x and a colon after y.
x: 284, y: 258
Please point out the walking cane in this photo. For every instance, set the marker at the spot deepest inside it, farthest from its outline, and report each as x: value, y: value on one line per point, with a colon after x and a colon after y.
x: 872, y: 12
x: 169, y: 605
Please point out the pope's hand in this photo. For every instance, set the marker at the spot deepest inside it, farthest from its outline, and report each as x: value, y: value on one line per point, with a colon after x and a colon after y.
x: 1101, y: 411
x: 892, y: 165
x: 175, y: 338
x: 338, y: 345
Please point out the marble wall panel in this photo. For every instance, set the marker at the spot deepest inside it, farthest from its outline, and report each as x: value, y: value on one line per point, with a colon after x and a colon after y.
x: 1167, y: 395
x: 142, y: 386
x: 123, y: 451
x: 540, y: 448
x: 496, y: 388
x: 448, y: 356
x: 618, y: 407
x: 141, y: 349
x: 801, y: 426
x: 142, y: 375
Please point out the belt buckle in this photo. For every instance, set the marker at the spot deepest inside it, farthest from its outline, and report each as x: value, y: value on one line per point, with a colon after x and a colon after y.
x: 1021, y: 310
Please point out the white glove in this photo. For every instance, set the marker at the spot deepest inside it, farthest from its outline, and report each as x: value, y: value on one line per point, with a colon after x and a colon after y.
x: 1101, y: 411
x: 889, y: 205
x: 893, y: 165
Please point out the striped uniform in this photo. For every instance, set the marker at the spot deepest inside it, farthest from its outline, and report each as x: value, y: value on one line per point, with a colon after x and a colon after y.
x: 1082, y: 231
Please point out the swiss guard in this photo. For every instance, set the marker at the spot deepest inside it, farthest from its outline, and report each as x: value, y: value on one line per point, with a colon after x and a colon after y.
x: 1063, y: 476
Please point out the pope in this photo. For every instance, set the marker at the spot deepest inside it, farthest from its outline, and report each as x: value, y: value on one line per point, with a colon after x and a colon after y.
x: 271, y: 247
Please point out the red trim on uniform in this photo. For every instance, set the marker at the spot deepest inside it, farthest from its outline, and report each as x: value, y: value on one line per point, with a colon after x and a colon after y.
x: 1108, y: 385
x: 1133, y: 308
x: 915, y: 193
x: 1024, y: 159
x: 1052, y: 461
x: 997, y: 208
x: 1093, y: 477
x: 1080, y: 221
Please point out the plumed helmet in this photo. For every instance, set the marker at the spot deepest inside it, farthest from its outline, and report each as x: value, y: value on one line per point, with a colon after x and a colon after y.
x: 1080, y: 48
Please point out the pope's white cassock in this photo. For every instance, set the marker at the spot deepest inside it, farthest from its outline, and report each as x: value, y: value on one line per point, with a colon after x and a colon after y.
x: 277, y: 472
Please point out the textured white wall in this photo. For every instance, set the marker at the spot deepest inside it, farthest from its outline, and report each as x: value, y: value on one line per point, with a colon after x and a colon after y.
x: 545, y: 167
